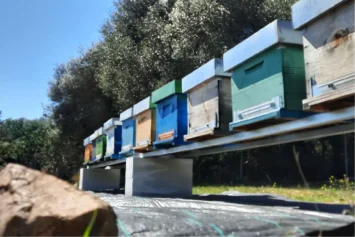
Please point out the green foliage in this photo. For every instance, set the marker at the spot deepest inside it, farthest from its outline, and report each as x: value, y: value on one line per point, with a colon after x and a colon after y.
x: 343, y: 183
x: 23, y: 141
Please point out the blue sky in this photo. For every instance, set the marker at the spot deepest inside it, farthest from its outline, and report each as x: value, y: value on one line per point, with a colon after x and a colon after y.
x: 35, y: 36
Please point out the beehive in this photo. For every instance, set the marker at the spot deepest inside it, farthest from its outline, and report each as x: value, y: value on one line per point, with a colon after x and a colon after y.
x: 113, y: 131
x: 88, y: 149
x: 209, y: 101
x: 171, y: 115
x: 93, y: 143
x: 328, y: 27
x: 128, y: 132
x: 100, y: 148
x: 268, y: 78
x: 144, y: 113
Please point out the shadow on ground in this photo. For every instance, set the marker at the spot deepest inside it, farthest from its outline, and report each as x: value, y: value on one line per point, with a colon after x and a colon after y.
x: 271, y: 200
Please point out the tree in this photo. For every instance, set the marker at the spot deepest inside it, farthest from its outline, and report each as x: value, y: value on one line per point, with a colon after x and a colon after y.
x: 22, y: 141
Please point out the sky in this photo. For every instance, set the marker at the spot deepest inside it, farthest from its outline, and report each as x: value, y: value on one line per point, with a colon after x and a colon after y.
x: 35, y: 37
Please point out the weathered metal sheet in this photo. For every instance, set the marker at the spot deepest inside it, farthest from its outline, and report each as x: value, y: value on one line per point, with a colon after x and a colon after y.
x: 111, y: 123
x: 128, y: 113
x: 207, y: 71
x: 277, y: 32
x: 305, y: 11
x: 142, y: 106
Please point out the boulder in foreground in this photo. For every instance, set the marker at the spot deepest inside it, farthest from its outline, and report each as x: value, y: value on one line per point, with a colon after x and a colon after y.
x: 37, y: 204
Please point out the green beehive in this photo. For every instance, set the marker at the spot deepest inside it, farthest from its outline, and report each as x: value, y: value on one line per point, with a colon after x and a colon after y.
x: 268, y: 77
x: 100, y: 145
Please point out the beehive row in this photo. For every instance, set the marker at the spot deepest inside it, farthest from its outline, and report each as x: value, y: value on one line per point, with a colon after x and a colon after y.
x: 279, y: 73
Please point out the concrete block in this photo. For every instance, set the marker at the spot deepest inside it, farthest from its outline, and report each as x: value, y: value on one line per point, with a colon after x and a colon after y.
x: 99, y: 179
x: 158, y: 177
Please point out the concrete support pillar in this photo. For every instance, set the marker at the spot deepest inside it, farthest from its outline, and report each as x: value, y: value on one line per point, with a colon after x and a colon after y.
x: 99, y: 179
x: 158, y: 177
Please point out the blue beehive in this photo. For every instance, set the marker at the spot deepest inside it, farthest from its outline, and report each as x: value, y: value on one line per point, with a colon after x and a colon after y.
x: 128, y: 132
x: 113, y: 131
x: 171, y: 114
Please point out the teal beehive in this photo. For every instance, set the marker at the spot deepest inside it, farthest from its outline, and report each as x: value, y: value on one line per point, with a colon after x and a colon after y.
x: 268, y: 77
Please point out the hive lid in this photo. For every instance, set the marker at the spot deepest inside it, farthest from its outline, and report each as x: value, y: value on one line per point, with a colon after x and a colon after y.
x: 207, y: 71
x: 87, y: 141
x: 111, y: 123
x: 276, y: 32
x: 128, y: 113
x: 94, y: 136
x: 305, y: 11
x: 143, y: 106
x: 169, y: 89
x: 100, y: 131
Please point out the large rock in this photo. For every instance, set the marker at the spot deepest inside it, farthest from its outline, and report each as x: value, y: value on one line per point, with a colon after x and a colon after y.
x: 33, y: 203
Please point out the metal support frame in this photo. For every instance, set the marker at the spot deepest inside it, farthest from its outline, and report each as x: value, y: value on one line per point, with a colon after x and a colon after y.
x: 312, y: 127
x: 346, y: 159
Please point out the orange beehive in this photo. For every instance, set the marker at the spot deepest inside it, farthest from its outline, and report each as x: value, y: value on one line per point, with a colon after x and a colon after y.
x: 144, y: 113
x: 88, y: 149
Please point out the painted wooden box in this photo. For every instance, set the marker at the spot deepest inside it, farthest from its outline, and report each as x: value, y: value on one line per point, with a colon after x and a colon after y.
x: 171, y: 115
x: 209, y: 101
x: 113, y: 131
x: 88, y: 150
x: 144, y: 113
x: 100, y: 148
x: 93, y: 138
x: 328, y: 38
x: 128, y: 132
x: 268, y: 78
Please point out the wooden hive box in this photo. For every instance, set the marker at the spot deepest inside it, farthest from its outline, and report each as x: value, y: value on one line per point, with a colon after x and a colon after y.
x: 328, y: 38
x: 88, y: 150
x: 171, y: 115
x: 144, y: 113
x: 268, y: 78
x: 100, y: 148
x: 113, y: 131
x: 93, y: 138
x: 209, y: 101
x: 128, y: 132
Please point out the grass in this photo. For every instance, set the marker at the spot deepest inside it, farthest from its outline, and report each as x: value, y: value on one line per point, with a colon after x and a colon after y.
x: 324, y: 194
